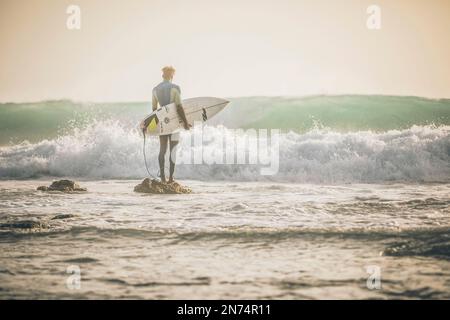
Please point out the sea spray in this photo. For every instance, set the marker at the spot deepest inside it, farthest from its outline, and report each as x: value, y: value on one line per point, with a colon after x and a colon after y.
x: 109, y: 149
x: 49, y: 119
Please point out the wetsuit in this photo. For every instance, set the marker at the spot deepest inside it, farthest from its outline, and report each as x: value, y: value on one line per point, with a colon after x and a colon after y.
x: 163, y: 94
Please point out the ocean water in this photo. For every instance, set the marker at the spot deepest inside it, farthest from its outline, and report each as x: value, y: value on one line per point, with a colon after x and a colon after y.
x: 362, y: 185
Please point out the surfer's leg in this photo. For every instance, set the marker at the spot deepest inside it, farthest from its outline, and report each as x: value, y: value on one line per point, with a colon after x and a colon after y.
x: 173, y: 144
x: 162, y: 152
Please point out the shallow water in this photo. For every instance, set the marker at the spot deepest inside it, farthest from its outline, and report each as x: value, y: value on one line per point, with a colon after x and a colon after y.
x: 238, y: 240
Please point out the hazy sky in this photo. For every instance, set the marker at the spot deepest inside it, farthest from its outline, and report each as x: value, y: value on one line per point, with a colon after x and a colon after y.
x: 223, y: 48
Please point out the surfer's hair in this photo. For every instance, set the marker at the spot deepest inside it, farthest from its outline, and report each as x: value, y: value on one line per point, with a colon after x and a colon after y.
x: 168, y: 72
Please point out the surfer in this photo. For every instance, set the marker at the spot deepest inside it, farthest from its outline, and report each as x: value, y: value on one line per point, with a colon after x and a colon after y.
x: 163, y: 94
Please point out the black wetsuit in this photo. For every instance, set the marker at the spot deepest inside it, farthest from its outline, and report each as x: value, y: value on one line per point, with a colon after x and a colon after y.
x: 165, y: 93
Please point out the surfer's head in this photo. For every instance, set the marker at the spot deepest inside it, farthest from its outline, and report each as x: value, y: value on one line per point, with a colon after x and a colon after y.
x: 168, y: 72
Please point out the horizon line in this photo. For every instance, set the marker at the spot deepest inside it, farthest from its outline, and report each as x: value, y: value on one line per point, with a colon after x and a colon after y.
x: 229, y: 97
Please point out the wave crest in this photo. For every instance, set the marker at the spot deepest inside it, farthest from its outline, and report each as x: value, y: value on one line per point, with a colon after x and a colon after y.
x: 109, y: 149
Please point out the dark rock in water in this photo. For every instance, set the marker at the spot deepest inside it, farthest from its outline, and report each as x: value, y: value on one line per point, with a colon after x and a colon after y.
x: 25, y: 224
x: 63, y: 186
x: 80, y: 260
x: 63, y: 216
x: 157, y: 187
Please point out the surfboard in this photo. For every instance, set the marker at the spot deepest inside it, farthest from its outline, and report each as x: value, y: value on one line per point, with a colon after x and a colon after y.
x: 165, y: 119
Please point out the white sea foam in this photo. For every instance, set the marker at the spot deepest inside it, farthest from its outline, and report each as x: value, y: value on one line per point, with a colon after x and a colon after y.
x: 109, y: 149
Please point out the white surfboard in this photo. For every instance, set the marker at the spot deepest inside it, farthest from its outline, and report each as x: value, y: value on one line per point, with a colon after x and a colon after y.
x: 165, y: 119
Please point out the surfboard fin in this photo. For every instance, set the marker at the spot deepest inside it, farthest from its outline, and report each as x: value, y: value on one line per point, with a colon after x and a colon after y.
x: 152, y: 125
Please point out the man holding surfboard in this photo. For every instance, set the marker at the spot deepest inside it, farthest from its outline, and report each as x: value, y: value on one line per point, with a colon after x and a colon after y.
x: 173, y: 115
x: 163, y: 94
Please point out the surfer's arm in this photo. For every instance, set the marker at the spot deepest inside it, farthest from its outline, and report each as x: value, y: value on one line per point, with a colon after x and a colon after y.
x: 154, y: 102
x: 182, y: 115
x: 176, y: 98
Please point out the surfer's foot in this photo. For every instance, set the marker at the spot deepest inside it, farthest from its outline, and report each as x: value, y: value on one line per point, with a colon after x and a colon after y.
x: 171, y: 180
x: 163, y: 180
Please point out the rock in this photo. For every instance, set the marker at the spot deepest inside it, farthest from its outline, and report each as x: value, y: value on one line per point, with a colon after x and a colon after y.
x: 157, y: 187
x: 25, y: 224
x: 63, y: 186
x: 63, y: 216
x: 239, y: 206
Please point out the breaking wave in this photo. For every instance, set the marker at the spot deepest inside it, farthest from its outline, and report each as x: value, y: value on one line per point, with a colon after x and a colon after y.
x: 48, y: 119
x: 111, y: 149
